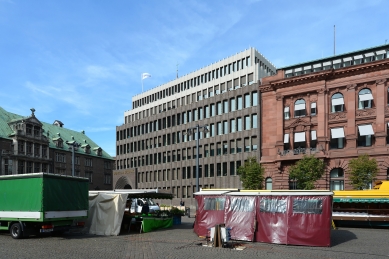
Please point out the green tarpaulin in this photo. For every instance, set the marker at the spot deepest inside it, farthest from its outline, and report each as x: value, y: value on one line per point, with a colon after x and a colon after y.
x: 150, y: 224
x: 362, y: 200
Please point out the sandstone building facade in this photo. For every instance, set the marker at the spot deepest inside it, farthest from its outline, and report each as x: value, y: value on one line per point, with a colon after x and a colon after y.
x: 335, y: 108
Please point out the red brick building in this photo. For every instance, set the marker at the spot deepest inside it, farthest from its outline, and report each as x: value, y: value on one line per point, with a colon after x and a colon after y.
x: 335, y: 108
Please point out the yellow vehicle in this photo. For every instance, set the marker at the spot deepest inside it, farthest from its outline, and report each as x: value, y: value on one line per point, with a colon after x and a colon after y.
x: 362, y: 208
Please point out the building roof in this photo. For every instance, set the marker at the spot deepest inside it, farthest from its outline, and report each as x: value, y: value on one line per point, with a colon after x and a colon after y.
x: 353, y: 53
x: 52, y: 132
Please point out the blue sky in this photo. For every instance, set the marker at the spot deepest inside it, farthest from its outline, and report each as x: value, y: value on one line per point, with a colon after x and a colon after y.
x: 80, y: 61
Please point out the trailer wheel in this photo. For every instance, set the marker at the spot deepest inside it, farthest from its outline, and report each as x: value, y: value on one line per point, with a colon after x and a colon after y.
x: 16, y: 231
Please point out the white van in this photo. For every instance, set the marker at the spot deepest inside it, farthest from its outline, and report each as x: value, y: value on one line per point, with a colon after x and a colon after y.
x: 137, y: 204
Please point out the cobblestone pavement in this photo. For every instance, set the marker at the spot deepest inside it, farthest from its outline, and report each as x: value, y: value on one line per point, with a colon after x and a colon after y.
x: 181, y: 242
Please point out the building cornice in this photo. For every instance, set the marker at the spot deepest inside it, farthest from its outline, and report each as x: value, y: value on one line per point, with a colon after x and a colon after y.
x: 325, y: 75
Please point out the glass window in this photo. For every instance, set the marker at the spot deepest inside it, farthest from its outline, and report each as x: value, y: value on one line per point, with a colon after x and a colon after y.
x: 240, y: 105
x: 225, y: 127
x: 212, y: 149
x: 219, y: 108
x: 232, y: 146
x: 206, y: 150
x: 247, y: 100
x: 232, y: 168
x: 239, y: 122
x: 247, y: 123
x: 239, y: 146
x: 213, y: 110
x: 218, y: 148
x: 233, y: 104
x: 218, y: 169
x: 254, y: 144
x: 268, y: 183
x: 254, y: 121
x: 219, y: 128
x: 207, y: 111
x: 212, y: 130
x: 286, y: 113
x: 313, y: 109
x: 299, y: 108
x: 365, y: 99
x: 225, y: 106
x: 225, y: 148
x: 232, y: 125
x: 254, y: 100
x: 337, y: 179
x: 337, y: 103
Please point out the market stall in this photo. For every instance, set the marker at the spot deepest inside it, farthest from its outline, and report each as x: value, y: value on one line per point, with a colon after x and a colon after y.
x: 294, y: 217
x: 239, y: 214
x: 363, y: 207
x: 110, y: 212
x: 281, y: 217
x: 210, y: 210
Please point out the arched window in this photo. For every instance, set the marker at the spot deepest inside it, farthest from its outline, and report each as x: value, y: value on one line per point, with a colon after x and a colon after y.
x: 337, y: 103
x: 299, y: 108
x: 337, y: 179
x: 269, y: 183
x: 365, y: 99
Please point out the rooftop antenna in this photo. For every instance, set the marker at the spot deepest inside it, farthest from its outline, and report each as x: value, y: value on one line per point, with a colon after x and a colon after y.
x: 177, y: 70
x: 334, y: 40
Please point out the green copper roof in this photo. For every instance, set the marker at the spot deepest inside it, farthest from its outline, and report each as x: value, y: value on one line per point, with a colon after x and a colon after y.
x: 53, y: 132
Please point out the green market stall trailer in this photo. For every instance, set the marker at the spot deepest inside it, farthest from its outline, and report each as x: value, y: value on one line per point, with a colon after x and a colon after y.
x: 41, y: 202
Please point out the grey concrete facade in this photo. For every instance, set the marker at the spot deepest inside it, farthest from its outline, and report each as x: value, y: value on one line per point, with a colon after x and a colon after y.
x: 152, y: 150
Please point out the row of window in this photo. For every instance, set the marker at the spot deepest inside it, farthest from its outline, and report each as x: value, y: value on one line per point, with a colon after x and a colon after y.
x: 189, y: 99
x: 33, y: 149
x: 220, y: 128
x: 209, y: 150
x: 189, y: 172
x: 61, y: 158
x: 208, y: 111
x: 338, y: 63
x: 365, y: 101
x: 196, y: 81
x: 337, y: 141
x: 27, y: 167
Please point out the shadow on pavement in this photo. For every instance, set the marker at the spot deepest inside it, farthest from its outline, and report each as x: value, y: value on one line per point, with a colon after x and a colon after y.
x: 340, y: 236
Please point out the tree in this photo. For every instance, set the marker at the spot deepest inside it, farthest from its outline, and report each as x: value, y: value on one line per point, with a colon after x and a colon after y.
x: 362, y: 171
x: 306, y: 172
x: 251, y: 174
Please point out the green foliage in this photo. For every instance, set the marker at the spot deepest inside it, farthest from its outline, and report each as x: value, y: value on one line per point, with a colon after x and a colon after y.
x: 362, y: 171
x: 176, y: 211
x: 251, y: 174
x: 307, y: 171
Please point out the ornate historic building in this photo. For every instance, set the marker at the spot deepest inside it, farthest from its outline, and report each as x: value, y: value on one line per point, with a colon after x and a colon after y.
x: 335, y: 108
x: 28, y: 145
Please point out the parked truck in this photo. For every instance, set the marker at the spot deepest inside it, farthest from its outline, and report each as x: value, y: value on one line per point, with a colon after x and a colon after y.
x: 41, y: 203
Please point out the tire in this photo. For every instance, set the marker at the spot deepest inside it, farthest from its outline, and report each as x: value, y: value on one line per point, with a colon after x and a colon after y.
x: 16, y: 231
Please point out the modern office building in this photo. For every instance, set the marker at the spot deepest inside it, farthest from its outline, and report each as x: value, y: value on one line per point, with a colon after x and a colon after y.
x: 28, y: 145
x: 335, y: 108
x: 154, y: 149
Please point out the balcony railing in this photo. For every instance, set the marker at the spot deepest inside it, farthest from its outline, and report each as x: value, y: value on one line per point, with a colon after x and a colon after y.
x: 298, y: 151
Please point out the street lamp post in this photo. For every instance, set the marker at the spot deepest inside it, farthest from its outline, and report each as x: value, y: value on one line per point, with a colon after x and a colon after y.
x: 73, y: 145
x: 189, y: 131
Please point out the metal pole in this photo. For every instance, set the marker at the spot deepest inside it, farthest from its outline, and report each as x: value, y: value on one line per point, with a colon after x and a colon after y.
x: 197, y: 157
x: 72, y: 160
